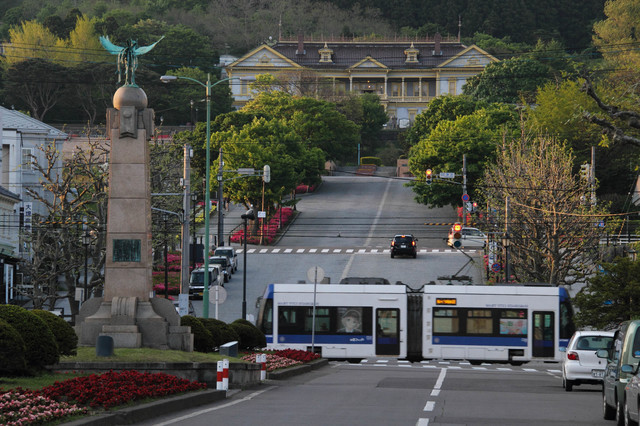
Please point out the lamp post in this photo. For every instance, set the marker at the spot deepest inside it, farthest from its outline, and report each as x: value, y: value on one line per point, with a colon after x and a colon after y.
x: 194, y: 199
x: 86, y: 242
x: 165, y: 217
x: 247, y: 216
x: 207, y: 199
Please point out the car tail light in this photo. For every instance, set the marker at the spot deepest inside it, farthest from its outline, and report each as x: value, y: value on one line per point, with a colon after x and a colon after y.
x: 393, y: 243
x: 573, y: 356
x: 413, y: 243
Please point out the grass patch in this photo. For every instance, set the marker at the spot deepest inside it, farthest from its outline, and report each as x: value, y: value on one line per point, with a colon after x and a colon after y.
x: 88, y: 354
x: 37, y: 382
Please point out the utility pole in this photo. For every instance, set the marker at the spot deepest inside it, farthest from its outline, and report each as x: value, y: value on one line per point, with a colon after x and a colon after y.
x: 464, y: 189
x: 186, y: 208
x: 220, y: 200
x: 592, y: 176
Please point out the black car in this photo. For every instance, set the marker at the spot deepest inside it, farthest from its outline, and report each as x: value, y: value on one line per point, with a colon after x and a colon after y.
x: 404, y: 244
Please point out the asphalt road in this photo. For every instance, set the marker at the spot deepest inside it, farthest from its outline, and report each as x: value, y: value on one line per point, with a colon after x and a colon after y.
x: 397, y: 393
x: 345, y: 228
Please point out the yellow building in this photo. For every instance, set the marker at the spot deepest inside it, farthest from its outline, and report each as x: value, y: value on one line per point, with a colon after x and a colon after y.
x: 405, y: 74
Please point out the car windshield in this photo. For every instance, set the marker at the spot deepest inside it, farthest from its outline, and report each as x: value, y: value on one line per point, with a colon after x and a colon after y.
x: 223, y: 252
x: 220, y: 261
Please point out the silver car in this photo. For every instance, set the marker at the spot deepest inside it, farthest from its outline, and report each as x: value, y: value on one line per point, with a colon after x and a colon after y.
x: 580, y: 363
x: 471, y: 237
x: 229, y: 252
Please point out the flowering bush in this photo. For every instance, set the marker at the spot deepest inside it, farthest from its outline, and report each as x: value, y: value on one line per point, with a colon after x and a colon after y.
x: 273, y: 361
x: 281, y: 217
x: 23, y: 407
x: 284, y: 358
x: 297, y: 355
x: 110, y: 389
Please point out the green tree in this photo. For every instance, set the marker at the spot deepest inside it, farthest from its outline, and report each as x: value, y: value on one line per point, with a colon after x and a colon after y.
x: 366, y: 111
x: 267, y: 142
x: 610, y: 296
x: 476, y: 135
x: 509, y: 81
x: 544, y: 210
x: 442, y: 108
x: 319, y: 123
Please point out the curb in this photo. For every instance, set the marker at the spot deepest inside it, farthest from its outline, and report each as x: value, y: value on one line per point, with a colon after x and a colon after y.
x: 298, y: 369
x: 142, y: 412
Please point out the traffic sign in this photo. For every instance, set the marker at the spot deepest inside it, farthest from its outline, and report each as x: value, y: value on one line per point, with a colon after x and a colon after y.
x: 447, y: 175
x: 495, y: 267
x: 465, y: 197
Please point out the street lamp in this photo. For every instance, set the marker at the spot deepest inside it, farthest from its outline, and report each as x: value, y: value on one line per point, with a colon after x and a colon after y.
x: 506, y: 243
x: 194, y: 200
x: 165, y: 217
x: 207, y: 199
x: 247, y: 216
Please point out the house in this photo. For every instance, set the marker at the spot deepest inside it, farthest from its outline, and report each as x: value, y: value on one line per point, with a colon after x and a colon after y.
x: 405, y: 74
x: 21, y: 136
x: 8, y: 243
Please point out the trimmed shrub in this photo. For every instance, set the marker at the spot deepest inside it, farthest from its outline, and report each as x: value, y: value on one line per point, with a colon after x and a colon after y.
x: 371, y: 160
x: 65, y: 335
x: 250, y: 336
x: 12, y: 351
x: 39, y: 341
x: 202, y: 338
x: 214, y: 327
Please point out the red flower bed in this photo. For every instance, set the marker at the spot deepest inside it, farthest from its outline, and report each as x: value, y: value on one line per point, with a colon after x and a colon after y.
x: 116, y: 388
x: 297, y: 354
x: 279, y: 218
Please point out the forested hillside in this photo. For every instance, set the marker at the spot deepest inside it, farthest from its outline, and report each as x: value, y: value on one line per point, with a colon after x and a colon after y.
x: 235, y: 26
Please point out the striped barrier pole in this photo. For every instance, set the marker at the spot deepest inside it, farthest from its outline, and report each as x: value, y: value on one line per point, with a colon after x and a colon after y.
x: 263, y: 367
x: 225, y: 374
x: 220, y: 373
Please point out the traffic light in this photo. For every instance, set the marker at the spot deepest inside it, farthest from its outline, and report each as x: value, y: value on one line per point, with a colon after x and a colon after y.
x: 585, y: 172
x: 457, y: 234
x: 429, y: 176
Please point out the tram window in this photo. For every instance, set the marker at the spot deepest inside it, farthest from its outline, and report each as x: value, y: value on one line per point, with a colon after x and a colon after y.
x: 323, y: 320
x: 266, y: 317
x: 446, y: 321
x: 567, y: 327
x: 513, y: 322
x: 479, y: 321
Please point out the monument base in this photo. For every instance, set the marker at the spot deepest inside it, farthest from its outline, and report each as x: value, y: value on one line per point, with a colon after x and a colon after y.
x: 133, y: 324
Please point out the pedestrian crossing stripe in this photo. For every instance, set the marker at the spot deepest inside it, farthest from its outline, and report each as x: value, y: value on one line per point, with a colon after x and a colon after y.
x: 316, y: 250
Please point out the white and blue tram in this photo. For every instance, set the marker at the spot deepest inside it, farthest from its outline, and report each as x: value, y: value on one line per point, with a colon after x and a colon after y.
x: 506, y: 323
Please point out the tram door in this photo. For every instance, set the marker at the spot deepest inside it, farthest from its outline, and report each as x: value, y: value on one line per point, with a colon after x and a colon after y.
x: 387, y: 331
x: 543, y: 334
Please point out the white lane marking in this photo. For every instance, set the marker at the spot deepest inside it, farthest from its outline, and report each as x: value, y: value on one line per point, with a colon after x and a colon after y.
x: 443, y: 372
x: 422, y: 422
x: 288, y: 250
x: 478, y: 368
x: 313, y: 250
x: 300, y: 251
x: 325, y: 251
x: 262, y: 251
x: 208, y: 410
x: 275, y: 250
x: 430, y: 406
x: 504, y: 369
x: 529, y: 369
x: 435, y: 392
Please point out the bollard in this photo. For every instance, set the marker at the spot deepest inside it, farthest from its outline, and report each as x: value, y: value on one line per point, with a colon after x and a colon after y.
x: 263, y: 369
x: 219, y: 382
x: 225, y: 374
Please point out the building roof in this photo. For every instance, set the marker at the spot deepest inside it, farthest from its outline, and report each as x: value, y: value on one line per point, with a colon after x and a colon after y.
x: 8, y: 194
x: 15, y: 120
x: 390, y: 54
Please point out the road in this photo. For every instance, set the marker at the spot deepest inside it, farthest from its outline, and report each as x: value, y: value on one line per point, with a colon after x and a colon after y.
x: 396, y: 393
x: 345, y: 228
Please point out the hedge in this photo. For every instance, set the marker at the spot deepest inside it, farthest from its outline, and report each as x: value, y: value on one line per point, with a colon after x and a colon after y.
x: 42, y: 349
x: 65, y: 335
x: 202, y: 338
x: 12, y: 351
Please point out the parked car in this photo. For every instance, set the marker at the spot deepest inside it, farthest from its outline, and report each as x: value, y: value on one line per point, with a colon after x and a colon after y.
x: 196, y: 281
x: 225, y: 265
x: 404, y: 244
x: 471, y: 238
x: 580, y: 363
x: 626, y: 344
x: 230, y: 252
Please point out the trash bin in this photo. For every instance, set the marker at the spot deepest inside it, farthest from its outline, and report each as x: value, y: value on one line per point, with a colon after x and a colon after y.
x: 104, y: 346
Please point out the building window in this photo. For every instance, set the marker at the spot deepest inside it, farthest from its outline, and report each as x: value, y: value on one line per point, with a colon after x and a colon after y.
x: 244, y: 87
x: 395, y: 89
x: 452, y: 86
x: 411, y: 55
x: 325, y: 54
x: 27, y: 160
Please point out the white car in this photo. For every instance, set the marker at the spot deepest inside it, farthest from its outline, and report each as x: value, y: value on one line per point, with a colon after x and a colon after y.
x: 230, y: 252
x: 471, y: 237
x: 580, y: 364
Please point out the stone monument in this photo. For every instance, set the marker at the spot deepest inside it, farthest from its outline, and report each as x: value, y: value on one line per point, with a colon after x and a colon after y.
x: 126, y: 312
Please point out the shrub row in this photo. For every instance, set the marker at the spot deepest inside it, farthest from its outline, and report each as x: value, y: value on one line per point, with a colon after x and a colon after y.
x: 31, y: 340
x: 209, y: 334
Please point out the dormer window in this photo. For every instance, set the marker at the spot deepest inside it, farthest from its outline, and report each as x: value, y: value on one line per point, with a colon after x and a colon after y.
x: 325, y: 54
x: 411, y: 55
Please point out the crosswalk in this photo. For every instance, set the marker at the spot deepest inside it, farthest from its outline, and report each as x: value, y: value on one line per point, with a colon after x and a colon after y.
x: 454, y: 365
x: 324, y: 250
